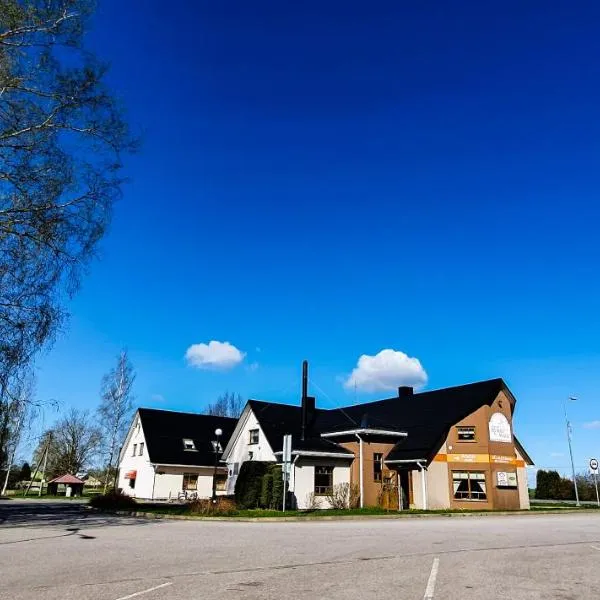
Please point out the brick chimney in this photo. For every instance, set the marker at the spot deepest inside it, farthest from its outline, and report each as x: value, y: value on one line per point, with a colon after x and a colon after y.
x: 405, y: 391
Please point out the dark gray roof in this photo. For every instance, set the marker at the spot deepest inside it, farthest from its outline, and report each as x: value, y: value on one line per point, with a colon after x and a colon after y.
x: 426, y: 418
x: 165, y: 430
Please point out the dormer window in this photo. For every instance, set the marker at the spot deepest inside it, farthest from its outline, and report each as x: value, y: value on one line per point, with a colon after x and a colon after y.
x: 188, y: 444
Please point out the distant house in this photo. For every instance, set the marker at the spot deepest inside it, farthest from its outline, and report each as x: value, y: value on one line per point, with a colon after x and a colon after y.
x: 167, y: 453
x: 447, y: 448
x: 91, y: 482
x: 67, y: 484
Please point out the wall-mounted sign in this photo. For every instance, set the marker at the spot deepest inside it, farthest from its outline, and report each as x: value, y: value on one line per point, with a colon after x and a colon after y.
x: 468, y: 458
x: 506, y: 460
x: 500, y: 428
x: 504, y: 479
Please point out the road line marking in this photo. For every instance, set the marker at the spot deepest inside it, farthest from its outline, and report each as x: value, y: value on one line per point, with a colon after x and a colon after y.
x: 431, y: 582
x: 156, y: 587
x: 596, y: 548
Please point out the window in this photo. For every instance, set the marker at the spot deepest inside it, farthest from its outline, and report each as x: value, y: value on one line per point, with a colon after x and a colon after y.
x: 134, y: 450
x: 188, y: 444
x: 469, y: 485
x: 190, y: 481
x: 141, y: 448
x: 323, y: 480
x: 377, y: 466
x: 253, y: 436
x: 132, y: 483
x: 221, y: 483
x: 466, y: 434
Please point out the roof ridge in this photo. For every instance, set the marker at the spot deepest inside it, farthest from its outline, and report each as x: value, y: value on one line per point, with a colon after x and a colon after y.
x: 183, y: 412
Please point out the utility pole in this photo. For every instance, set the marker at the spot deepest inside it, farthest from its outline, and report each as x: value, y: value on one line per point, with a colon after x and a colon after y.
x: 45, y: 465
x: 571, y: 449
x: 37, y: 467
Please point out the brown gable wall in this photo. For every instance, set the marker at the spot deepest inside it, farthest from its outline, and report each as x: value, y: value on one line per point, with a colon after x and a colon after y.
x: 371, y: 487
x: 485, y: 456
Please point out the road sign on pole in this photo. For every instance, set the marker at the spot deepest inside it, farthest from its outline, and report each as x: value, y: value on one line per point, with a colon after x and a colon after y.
x: 594, y: 472
x: 286, y: 459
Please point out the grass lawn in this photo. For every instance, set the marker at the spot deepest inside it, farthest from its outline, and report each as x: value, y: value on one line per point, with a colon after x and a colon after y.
x: 183, y: 510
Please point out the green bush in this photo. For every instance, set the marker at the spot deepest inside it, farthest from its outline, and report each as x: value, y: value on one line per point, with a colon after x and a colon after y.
x: 248, y: 486
x: 266, y: 492
x: 113, y: 501
x: 277, y: 488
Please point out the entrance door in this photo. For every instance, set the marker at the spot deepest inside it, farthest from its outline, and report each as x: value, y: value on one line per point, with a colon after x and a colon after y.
x: 406, y: 488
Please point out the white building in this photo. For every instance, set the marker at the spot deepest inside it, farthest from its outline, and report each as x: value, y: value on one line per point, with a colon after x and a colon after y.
x: 317, y: 464
x: 168, y: 453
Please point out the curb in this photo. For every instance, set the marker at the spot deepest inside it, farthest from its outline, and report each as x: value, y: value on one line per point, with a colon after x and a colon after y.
x: 524, y: 513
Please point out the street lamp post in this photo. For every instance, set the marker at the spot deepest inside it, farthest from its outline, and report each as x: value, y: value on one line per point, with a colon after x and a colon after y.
x: 218, y: 433
x: 571, y: 449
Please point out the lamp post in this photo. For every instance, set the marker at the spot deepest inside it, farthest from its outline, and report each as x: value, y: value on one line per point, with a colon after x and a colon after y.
x: 572, y: 398
x: 218, y: 434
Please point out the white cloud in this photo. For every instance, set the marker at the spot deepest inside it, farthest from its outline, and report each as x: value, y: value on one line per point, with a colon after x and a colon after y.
x: 386, y: 371
x: 557, y: 454
x: 252, y: 367
x: 157, y: 398
x: 214, y: 355
x: 592, y: 425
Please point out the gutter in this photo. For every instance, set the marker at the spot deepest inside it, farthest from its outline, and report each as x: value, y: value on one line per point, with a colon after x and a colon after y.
x: 360, y: 473
x: 317, y: 454
x: 365, y: 431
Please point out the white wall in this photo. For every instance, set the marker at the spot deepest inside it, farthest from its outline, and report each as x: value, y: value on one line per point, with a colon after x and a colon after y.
x: 169, y: 481
x: 302, y: 482
x: 523, y: 484
x: 141, y: 464
x: 438, y: 486
x: 239, y: 448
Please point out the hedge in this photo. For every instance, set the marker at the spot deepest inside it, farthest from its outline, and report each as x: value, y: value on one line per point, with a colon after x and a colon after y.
x: 248, y: 486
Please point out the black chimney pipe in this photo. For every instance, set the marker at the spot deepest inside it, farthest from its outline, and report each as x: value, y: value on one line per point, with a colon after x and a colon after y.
x: 304, y: 396
x: 304, y: 379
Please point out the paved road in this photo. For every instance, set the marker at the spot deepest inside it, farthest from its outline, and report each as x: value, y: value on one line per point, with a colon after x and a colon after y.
x: 64, y: 551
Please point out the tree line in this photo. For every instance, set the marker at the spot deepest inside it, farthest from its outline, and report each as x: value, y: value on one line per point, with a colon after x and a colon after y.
x: 550, y: 485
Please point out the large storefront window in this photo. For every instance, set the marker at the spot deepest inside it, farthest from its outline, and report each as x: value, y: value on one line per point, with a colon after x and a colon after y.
x: 323, y: 480
x: 469, y: 485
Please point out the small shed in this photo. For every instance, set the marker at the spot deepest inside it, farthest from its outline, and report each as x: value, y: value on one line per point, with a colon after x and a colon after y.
x: 72, y: 486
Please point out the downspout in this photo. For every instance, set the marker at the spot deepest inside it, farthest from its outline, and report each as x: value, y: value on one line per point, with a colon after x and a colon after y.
x: 153, y: 481
x: 423, y: 484
x: 360, y: 473
x: 294, y: 479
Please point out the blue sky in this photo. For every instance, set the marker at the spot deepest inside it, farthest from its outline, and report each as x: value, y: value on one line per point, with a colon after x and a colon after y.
x: 327, y: 181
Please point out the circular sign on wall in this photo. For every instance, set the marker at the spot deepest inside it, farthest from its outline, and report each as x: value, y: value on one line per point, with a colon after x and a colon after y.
x: 593, y: 464
x: 500, y: 428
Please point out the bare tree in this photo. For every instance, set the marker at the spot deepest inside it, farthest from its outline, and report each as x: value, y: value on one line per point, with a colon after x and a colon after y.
x: 73, y: 443
x: 115, y: 410
x: 226, y: 405
x: 62, y: 136
x: 16, y: 410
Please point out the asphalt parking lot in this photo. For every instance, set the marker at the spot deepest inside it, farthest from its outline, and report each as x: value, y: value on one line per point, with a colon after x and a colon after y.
x: 62, y: 550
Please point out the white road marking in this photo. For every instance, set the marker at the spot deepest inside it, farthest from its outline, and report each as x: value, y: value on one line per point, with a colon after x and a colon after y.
x: 156, y: 587
x: 430, y: 589
x: 595, y: 548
